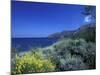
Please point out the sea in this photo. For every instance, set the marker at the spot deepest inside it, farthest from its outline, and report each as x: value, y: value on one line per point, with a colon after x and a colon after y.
x: 25, y: 44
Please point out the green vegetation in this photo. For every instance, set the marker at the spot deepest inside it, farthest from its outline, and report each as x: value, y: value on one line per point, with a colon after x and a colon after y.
x: 87, y: 32
x: 70, y: 54
x: 30, y: 63
x: 64, y: 55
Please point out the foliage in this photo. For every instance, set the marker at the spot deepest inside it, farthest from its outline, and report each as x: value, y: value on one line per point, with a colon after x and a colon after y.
x: 72, y: 63
x: 64, y: 55
x: 89, y: 10
x: 69, y: 54
x: 88, y: 33
x: 30, y: 63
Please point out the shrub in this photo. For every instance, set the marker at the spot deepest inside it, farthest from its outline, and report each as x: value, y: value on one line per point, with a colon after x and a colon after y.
x: 76, y: 51
x: 64, y: 55
x: 30, y: 63
x: 90, y: 57
x: 72, y: 63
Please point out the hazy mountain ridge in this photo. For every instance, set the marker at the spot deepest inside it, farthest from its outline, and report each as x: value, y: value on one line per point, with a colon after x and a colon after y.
x: 86, y: 31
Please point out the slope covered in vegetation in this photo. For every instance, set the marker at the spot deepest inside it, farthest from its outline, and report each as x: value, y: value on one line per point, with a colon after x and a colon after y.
x: 87, y: 32
x: 64, y: 55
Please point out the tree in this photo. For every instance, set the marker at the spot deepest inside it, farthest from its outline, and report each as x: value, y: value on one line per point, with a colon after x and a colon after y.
x: 90, y: 11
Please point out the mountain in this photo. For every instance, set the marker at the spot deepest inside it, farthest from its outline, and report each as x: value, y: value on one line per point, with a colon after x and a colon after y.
x: 87, y: 31
x: 61, y: 34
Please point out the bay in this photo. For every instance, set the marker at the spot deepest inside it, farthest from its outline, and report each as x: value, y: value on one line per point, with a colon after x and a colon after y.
x: 25, y: 44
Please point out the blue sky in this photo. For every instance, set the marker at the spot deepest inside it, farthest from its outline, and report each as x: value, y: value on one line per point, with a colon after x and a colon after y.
x: 34, y: 19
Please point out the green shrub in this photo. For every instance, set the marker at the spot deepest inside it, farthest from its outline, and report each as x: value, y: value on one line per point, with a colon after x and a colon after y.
x: 64, y: 55
x: 72, y: 63
x: 30, y: 63
x: 76, y: 51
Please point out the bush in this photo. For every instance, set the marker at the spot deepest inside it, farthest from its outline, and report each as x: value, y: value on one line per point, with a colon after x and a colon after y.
x: 64, y: 55
x: 72, y: 51
x: 30, y: 63
x: 72, y: 63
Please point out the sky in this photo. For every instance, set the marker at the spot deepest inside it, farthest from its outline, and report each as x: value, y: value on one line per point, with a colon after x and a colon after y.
x: 34, y: 19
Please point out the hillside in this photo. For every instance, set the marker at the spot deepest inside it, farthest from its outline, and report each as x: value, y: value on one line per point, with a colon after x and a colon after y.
x: 64, y: 55
x: 86, y: 31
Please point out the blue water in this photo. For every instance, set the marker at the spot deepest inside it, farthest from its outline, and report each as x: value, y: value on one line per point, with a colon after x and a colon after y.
x: 24, y: 44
